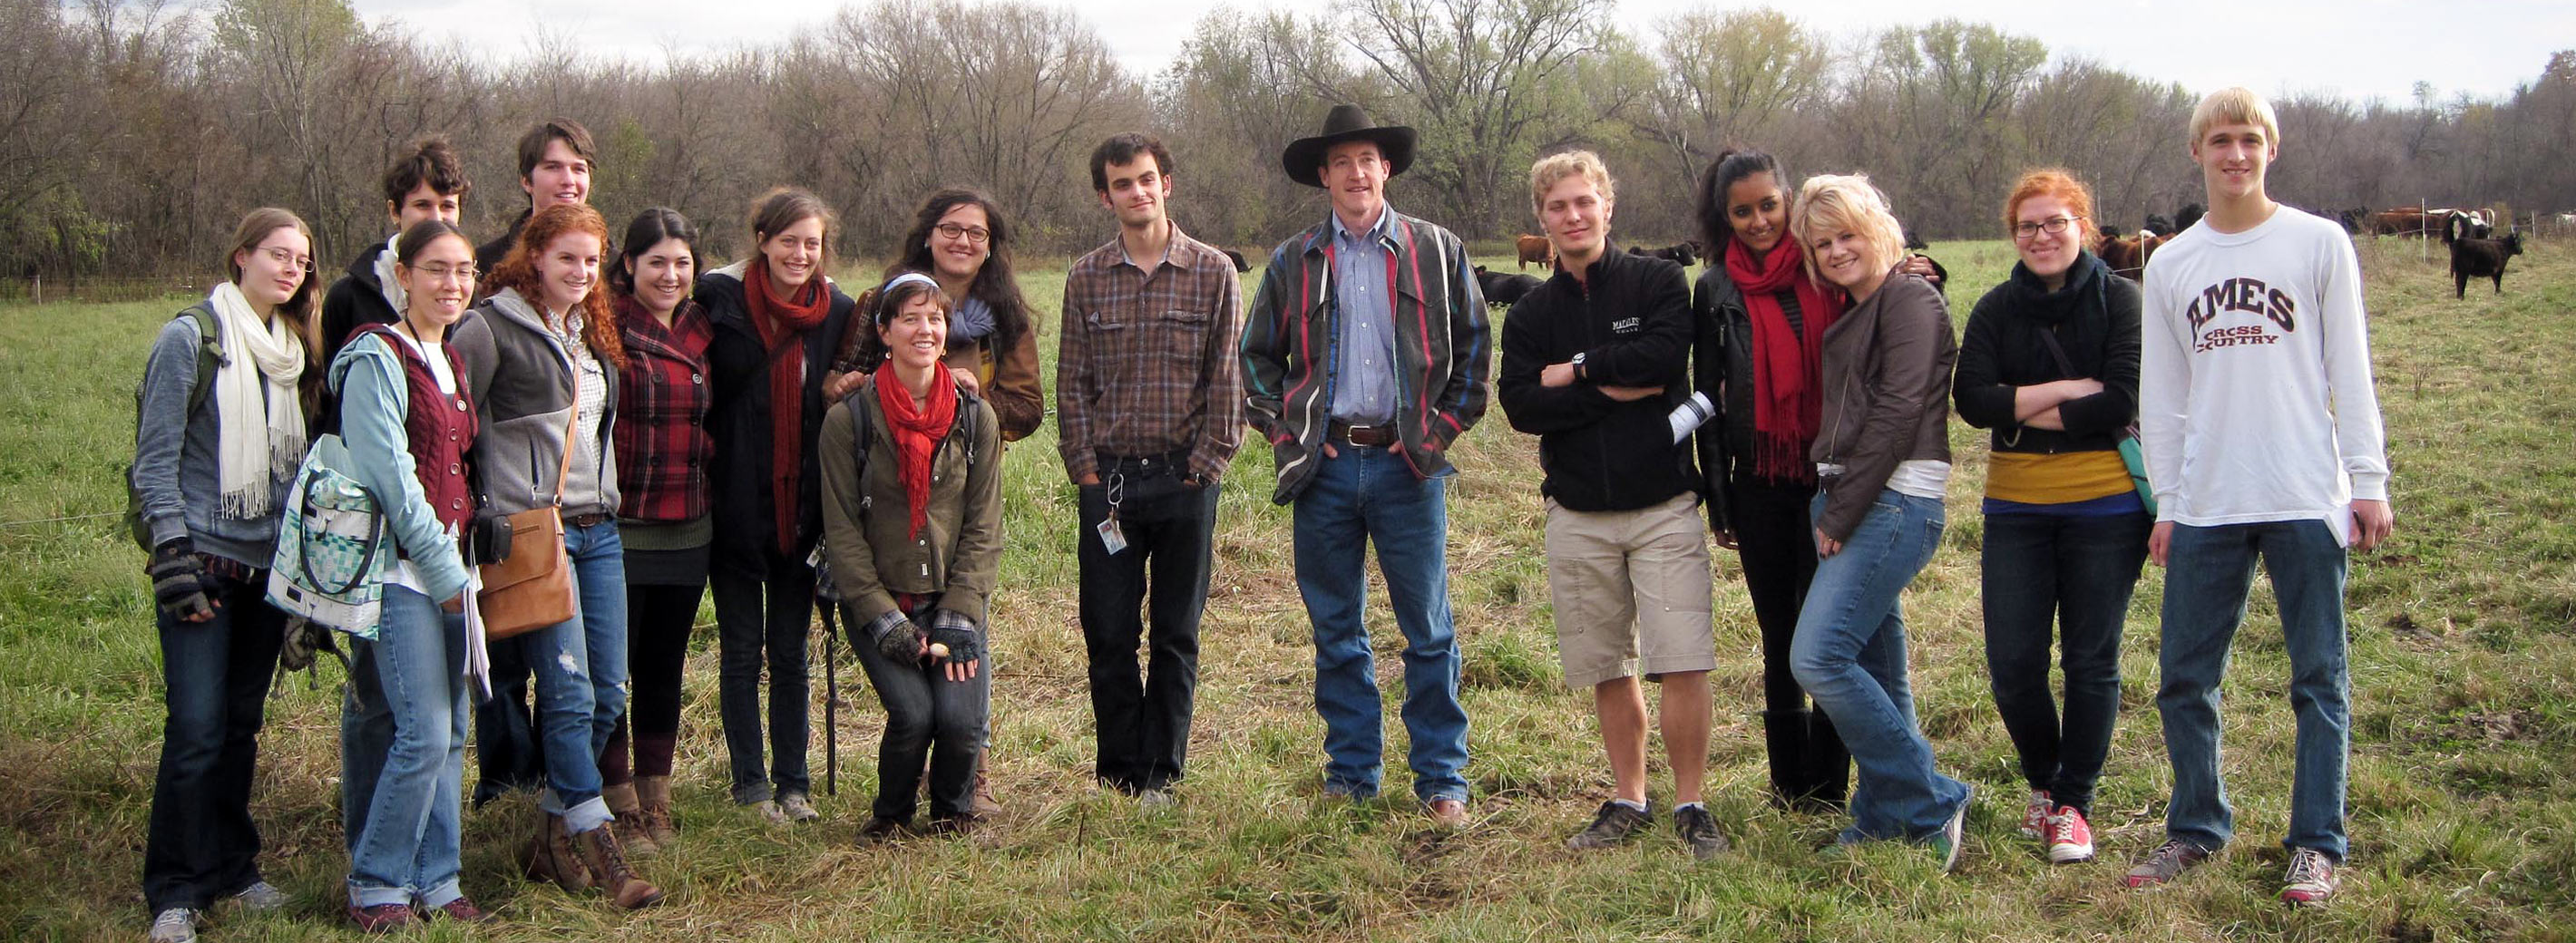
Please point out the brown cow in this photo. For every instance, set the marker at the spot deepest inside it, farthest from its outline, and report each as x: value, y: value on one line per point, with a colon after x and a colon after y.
x: 1534, y: 249
x: 2127, y: 255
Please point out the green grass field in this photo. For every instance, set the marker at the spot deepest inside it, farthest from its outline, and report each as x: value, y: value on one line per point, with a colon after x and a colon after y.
x: 2464, y: 709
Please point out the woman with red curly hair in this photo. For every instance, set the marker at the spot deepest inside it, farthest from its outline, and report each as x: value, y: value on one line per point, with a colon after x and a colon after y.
x: 542, y: 355
x: 2050, y: 364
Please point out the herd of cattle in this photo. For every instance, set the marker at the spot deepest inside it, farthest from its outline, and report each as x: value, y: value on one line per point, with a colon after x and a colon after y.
x: 2475, y: 251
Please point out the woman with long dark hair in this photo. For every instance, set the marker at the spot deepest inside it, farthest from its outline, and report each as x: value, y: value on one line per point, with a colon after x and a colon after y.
x: 2050, y: 363
x: 1762, y: 324
x: 662, y: 455
x: 410, y: 422
x: 543, y: 352
x: 914, y: 513
x: 776, y: 318
x: 220, y: 429
x: 961, y: 239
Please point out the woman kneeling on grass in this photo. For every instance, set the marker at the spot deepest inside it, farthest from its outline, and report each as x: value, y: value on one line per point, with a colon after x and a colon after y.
x: 1882, y: 456
x: 217, y: 440
x: 2050, y: 363
x: 912, y: 517
x: 409, y: 421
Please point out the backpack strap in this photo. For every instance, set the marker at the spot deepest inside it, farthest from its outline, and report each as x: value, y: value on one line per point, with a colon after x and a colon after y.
x: 210, y: 353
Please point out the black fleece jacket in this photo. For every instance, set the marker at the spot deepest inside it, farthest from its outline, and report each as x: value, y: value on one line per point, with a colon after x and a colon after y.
x: 1629, y: 316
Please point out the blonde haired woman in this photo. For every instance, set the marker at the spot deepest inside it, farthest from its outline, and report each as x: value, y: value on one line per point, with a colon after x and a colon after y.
x: 1882, y: 457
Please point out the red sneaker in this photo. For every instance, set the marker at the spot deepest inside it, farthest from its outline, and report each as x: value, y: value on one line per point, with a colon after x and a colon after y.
x: 2070, y: 838
x: 382, y: 918
x: 462, y: 910
x: 2034, y: 816
x: 2311, y: 880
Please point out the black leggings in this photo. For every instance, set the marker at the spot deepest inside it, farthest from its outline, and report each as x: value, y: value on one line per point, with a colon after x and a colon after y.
x: 658, y: 622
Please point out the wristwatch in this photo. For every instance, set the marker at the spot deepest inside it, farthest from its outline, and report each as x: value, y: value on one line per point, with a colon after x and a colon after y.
x: 1578, y: 366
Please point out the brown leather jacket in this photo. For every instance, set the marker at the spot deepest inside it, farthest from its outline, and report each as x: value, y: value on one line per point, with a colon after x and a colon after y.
x: 1887, y: 365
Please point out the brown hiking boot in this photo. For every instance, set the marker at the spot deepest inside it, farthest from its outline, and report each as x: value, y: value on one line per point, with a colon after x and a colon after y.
x: 550, y: 857
x: 982, y: 803
x: 653, y: 820
x: 629, y: 814
x: 599, y: 850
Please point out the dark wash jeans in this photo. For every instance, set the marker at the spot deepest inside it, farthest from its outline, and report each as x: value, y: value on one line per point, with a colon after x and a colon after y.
x: 925, y: 710
x: 772, y: 618
x: 1143, y: 724
x: 202, y: 845
x: 2064, y: 579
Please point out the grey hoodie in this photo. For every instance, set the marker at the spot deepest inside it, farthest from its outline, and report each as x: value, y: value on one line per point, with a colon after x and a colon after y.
x: 522, y: 380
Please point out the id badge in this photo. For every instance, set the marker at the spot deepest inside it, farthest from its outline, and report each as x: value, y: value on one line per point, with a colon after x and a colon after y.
x: 1110, y: 538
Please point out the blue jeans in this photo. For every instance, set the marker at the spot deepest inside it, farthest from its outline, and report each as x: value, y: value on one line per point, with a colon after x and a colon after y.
x: 408, y: 850
x: 1366, y: 494
x: 562, y: 658
x: 1849, y: 654
x: 2062, y: 579
x: 2209, y: 573
x: 201, y: 844
x: 924, y: 709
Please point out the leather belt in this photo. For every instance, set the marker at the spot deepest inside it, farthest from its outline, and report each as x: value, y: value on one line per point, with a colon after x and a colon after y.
x: 1369, y: 436
x: 588, y: 520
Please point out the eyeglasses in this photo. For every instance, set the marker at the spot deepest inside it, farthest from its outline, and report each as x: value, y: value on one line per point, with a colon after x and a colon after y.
x: 303, y: 263
x: 2053, y: 225
x: 973, y: 234
x: 440, y: 273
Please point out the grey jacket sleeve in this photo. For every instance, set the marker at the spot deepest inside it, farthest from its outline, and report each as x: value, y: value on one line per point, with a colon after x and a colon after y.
x: 161, y: 429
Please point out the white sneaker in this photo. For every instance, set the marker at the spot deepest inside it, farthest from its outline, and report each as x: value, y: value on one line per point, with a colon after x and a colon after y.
x: 797, y: 807
x: 261, y: 896
x: 175, y: 925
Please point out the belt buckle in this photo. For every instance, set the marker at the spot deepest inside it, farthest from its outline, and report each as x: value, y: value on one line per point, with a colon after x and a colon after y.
x: 1351, y: 433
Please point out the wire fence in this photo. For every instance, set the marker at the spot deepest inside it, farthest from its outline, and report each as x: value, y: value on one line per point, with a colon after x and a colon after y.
x: 42, y: 290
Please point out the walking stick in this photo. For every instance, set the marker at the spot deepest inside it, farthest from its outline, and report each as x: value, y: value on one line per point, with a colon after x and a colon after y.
x: 831, y: 700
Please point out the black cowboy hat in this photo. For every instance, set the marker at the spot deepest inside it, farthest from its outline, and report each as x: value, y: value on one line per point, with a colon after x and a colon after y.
x: 1304, y: 158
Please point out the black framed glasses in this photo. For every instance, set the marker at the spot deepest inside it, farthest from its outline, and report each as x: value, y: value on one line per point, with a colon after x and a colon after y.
x: 974, y: 234
x: 2054, y: 225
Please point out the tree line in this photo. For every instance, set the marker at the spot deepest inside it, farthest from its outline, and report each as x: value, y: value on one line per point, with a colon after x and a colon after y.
x: 134, y: 134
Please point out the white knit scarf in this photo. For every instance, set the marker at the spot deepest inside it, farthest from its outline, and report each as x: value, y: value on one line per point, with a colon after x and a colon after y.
x: 387, y: 284
x: 255, y: 353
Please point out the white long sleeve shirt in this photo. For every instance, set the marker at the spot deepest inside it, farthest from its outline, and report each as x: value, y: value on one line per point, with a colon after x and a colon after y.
x: 2255, y: 401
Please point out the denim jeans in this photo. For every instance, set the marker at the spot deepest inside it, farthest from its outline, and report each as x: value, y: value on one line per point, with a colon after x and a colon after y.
x: 2064, y: 579
x: 366, y: 735
x: 1143, y: 724
x: 924, y: 708
x: 774, y: 616
x: 408, y: 850
x: 567, y: 690
x: 599, y: 573
x: 1368, y: 495
x: 1850, y: 655
x: 2209, y: 573
x: 201, y: 844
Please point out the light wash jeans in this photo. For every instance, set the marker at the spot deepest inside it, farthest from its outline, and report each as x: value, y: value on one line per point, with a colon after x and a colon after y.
x: 408, y: 847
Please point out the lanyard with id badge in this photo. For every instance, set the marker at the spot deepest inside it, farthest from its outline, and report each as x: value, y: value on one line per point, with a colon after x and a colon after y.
x: 1111, y: 539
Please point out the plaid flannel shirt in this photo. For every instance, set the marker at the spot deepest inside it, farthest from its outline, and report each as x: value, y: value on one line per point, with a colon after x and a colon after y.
x: 1147, y: 363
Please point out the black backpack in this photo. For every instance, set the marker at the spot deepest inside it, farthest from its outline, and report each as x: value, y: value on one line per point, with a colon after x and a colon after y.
x: 210, y: 357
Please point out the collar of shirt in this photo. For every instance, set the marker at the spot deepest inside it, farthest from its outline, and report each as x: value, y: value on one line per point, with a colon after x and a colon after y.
x: 1379, y: 232
x: 1171, y: 240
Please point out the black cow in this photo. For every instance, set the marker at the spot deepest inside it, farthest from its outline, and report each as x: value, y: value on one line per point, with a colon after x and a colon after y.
x: 1913, y: 241
x: 1503, y: 288
x: 2185, y: 217
x: 2155, y: 223
x: 1678, y: 253
x: 1239, y: 264
x: 2481, y: 258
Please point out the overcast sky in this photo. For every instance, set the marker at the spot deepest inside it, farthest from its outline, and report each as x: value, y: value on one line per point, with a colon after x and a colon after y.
x: 2361, y: 48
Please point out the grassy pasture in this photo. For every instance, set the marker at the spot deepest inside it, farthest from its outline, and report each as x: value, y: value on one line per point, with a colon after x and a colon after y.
x: 2464, y: 687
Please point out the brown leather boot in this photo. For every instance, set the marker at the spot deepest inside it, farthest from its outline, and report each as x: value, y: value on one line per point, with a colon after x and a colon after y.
x: 550, y: 857
x: 629, y: 812
x: 982, y: 804
x: 653, y: 819
x: 600, y: 850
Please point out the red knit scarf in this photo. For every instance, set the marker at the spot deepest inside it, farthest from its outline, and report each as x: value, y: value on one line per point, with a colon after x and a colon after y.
x: 782, y: 324
x: 1787, y: 397
x: 917, y: 432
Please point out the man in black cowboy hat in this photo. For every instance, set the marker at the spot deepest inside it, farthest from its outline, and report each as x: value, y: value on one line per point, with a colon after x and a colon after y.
x: 1364, y: 356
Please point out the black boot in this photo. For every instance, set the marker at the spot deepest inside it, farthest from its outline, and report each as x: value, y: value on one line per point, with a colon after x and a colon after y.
x: 1784, y: 737
x: 1828, y: 766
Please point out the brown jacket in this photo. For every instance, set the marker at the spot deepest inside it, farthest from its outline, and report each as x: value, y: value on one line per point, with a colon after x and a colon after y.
x: 1887, y: 394
x: 865, y: 527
